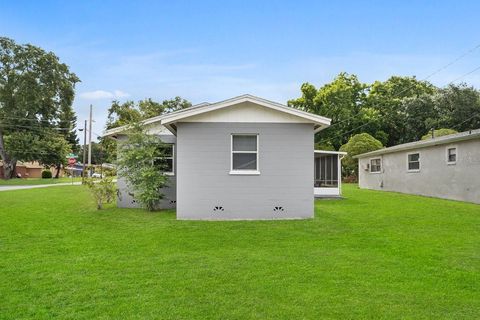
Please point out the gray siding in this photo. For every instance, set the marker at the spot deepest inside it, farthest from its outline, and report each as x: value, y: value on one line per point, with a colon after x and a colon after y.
x: 436, y: 178
x: 125, y: 198
x: 285, y: 165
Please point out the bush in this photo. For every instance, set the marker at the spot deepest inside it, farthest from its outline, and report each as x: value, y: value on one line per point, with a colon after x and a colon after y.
x: 46, y: 174
x: 358, y: 144
x: 102, y: 190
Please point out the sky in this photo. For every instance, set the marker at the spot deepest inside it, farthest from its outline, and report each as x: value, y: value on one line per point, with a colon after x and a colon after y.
x: 206, y: 51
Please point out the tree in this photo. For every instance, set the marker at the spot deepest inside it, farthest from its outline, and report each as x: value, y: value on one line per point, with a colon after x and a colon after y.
x: 131, y: 112
x: 439, y: 133
x: 140, y: 163
x: 343, y: 101
x: 358, y: 144
x: 98, y: 156
x: 387, y: 98
x: 458, y: 107
x: 34, y: 89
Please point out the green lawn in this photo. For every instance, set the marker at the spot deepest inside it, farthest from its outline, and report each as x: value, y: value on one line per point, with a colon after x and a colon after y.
x: 374, y: 255
x: 35, y: 181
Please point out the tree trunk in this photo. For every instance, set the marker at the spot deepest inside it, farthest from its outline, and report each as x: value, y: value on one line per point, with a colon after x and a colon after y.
x: 59, y: 167
x: 8, y: 164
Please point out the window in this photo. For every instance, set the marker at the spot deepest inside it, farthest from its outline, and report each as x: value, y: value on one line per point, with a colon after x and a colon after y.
x: 451, y: 155
x: 414, y: 162
x: 375, y: 165
x: 244, y: 153
x: 166, y: 163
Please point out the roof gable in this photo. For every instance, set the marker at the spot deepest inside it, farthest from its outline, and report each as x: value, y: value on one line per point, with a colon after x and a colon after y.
x: 244, y: 108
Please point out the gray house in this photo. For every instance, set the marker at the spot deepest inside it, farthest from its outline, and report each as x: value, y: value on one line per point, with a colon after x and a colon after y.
x: 444, y: 167
x: 242, y: 158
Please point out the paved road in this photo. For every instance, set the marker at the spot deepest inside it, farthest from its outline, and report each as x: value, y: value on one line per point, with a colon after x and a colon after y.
x: 9, y: 188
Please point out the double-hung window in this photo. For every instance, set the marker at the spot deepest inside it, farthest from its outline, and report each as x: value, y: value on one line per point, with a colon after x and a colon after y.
x: 375, y: 165
x: 244, y: 154
x: 451, y: 155
x: 166, y: 163
x: 413, y: 162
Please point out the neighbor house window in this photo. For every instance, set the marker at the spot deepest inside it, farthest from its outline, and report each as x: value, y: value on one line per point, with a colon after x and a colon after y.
x: 414, y: 162
x: 244, y: 153
x: 451, y: 155
x: 166, y: 163
x: 375, y: 165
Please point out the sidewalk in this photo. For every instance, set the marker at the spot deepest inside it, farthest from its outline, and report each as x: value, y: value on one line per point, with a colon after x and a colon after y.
x: 10, y: 188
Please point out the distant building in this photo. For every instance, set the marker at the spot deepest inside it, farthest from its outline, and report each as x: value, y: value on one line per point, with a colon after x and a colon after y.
x: 25, y: 169
x: 444, y: 167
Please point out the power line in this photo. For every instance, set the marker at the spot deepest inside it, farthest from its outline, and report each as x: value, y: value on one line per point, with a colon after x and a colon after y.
x: 460, y: 57
x: 368, y: 122
x: 465, y: 74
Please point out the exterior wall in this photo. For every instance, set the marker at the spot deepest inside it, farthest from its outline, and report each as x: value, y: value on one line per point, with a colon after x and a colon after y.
x: 125, y: 196
x: 204, y: 180
x: 436, y: 178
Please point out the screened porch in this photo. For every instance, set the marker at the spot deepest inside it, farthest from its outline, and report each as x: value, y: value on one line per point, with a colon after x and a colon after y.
x: 328, y: 173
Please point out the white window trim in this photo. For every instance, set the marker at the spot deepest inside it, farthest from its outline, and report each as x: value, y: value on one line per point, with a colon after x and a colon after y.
x: 244, y: 172
x: 456, y: 154
x: 171, y: 173
x: 370, y: 165
x: 419, y: 162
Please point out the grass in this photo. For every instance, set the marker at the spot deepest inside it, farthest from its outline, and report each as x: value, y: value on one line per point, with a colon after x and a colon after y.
x: 36, y: 181
x: 375, y: 255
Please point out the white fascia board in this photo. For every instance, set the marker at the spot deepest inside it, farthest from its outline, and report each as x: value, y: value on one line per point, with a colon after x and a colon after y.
x: 330, y: 152
x: 321, y: 121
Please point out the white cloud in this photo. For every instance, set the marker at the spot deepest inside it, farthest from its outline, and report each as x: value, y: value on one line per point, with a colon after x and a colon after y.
x: 102, y: 94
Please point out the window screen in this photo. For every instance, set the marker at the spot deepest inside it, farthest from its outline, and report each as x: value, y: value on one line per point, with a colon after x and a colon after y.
x: 244, y: 152
x: 414, y: 161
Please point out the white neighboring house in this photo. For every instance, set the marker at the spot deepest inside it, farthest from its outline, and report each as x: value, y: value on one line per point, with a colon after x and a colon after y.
x: 444, y: 167
x: 241, y: 158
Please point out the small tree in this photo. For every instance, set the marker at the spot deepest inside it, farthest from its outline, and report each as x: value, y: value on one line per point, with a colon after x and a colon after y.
x: 358, y: 144
x: 102, y: 190
x: 140, y: 162
x: 438, y: 133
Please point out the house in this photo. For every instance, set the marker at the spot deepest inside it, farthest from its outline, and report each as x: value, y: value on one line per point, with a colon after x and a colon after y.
x: 25, y: 169
x: 241, y: 158
x: 444, y: 167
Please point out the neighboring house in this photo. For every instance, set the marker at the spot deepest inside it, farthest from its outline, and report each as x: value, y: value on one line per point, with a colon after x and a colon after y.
x: 242, y: 158
x: 25, y: 169
x: 444, y: 167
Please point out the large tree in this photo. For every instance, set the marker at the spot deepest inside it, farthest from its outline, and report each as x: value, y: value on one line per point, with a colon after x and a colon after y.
x: 342, y: 100
x: 34, y: 89
x: 387, y: 98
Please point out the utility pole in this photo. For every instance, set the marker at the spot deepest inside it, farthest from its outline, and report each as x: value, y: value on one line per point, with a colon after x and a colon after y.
x: 90, y: 139
x: 84, y: 150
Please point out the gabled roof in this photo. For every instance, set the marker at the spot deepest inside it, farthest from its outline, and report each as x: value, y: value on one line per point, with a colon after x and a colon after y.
x: 467, y: 135
x: 169, y: 120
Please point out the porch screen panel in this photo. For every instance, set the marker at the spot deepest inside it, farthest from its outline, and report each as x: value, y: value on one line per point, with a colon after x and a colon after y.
x: 326, y: 171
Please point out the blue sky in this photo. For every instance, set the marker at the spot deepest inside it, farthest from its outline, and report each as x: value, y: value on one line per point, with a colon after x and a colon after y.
x: 212, y: 50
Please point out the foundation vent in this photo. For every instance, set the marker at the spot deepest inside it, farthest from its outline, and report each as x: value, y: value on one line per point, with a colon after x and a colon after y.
x: 218, y: 208
x: 278, y: 209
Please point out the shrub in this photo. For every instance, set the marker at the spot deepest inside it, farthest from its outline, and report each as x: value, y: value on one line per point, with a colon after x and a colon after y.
x: 46, y: 174
x: 102, y: 190
x: 138, y: 164
x: 358, y: 144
